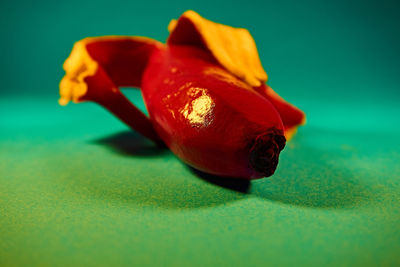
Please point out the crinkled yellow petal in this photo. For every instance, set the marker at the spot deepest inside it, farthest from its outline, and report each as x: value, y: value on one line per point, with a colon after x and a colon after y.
x: 233, y: 48
x: 77, y: 66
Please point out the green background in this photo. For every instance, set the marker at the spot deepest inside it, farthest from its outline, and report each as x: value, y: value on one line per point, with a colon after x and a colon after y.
x: 77, y: 187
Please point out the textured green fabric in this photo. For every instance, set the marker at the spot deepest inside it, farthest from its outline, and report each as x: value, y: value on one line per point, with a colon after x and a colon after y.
x: 78, y: 188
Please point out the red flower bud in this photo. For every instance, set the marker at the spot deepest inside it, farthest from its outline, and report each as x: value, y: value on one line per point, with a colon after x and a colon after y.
x: 204, y: 91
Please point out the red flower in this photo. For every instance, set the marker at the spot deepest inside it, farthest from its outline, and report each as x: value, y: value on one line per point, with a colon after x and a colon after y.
x: 205, y: 92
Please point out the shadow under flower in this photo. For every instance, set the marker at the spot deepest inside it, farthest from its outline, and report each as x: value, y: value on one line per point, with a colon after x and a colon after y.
x: 307, y: 177
x: 130, y: 143
x: 238, y: 185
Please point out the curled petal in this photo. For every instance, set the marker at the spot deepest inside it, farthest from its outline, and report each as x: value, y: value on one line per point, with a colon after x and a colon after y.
x: 122, y: 58
x: 233, y: 48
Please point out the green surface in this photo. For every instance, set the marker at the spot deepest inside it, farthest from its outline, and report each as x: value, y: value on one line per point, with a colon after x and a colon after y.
x: 78, y: 188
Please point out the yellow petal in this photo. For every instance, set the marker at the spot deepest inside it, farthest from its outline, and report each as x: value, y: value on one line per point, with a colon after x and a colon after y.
x: 77, y: 66
x: 233, y: 48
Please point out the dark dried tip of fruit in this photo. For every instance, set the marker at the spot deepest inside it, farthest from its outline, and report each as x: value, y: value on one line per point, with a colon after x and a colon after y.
x: 264, y: 153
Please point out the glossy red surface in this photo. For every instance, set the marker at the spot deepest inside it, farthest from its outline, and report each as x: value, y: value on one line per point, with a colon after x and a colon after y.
x: 209, y: 118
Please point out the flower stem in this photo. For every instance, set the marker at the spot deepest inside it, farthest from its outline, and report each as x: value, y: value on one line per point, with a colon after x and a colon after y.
x: 121, y: 107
